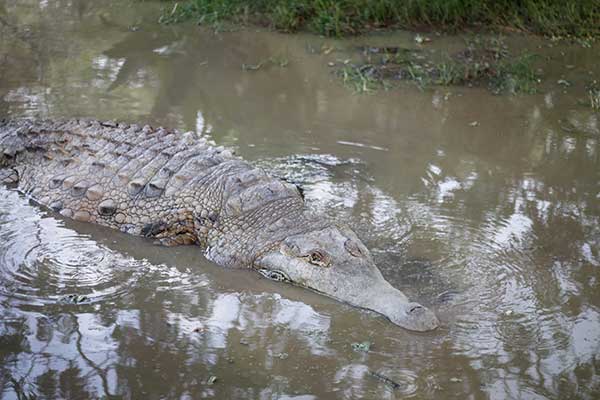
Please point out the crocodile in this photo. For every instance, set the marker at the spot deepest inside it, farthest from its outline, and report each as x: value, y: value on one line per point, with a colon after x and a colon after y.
x: 181, y: 188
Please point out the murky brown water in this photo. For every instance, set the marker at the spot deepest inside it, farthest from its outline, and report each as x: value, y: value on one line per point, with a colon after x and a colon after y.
x: 496, y: 226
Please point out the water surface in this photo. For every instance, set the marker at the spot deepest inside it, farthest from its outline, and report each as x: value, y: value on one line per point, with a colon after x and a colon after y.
x: 495, y: 225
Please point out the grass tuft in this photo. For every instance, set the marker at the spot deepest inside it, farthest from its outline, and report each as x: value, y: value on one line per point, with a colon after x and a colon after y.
x: 580, y: 19
x: 516, y: 76
x: 361, y: 78
x: 485, y: 62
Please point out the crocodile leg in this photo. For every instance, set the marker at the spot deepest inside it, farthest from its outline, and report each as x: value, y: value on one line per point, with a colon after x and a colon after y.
x: 176, y: 234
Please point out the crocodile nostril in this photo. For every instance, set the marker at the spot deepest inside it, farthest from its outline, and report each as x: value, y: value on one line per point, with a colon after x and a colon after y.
x: 416, y: 309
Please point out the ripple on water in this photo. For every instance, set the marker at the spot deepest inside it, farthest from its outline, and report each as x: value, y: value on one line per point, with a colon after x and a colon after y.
x: 41, y: 261
x: 505, y: 310
x: 487, y: 261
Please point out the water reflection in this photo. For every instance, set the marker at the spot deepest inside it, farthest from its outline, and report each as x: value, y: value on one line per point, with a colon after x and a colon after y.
x: 494, y: 223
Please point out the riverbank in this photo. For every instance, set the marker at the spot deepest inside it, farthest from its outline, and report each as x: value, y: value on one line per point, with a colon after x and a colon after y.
x: 579, y: 19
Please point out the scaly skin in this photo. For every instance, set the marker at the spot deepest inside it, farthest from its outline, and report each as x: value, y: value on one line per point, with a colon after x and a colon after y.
x: 180, y: 189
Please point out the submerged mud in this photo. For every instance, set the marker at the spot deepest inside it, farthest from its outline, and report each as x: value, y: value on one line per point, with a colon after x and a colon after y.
x: 484, y: 207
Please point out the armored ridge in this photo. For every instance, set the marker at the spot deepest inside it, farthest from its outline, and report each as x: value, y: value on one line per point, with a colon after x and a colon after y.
x: 172, y: 186
x: 180, y: 189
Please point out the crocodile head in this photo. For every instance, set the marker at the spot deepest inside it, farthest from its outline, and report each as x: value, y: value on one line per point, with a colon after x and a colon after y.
x: 334, y: 262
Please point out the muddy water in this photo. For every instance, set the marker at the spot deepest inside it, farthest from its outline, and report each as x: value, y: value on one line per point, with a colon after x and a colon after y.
x: 484, y: 207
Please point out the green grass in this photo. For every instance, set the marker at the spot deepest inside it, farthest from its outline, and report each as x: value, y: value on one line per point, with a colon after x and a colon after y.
x: 516, y: 76
x: 362, y: 79
x: 485, y: 63
x: 577, y: 18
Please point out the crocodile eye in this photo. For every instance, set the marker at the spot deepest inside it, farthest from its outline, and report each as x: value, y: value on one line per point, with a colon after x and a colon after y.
x: 319, y: 258
x: 353, y: 248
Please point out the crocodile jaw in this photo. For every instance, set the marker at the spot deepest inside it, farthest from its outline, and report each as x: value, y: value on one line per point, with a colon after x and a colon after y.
x: 361, y: 286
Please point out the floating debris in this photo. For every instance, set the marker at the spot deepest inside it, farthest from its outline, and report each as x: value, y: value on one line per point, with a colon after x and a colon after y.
x: 422, y: 39
x: 74, y: 299
x: 391, y: 383
x: 278, y: 61
x: 357, y: 144
x: 326, y: 49
x: 563, y: 82
x: 386, y: 50
x: 363, y: 346
x: 252, y: 67
x: 474, y: 123
x: 211, y: 380
x: 455, y: 380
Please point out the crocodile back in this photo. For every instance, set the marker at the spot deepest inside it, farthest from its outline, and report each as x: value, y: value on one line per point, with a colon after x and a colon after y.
x: 174, y: 186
